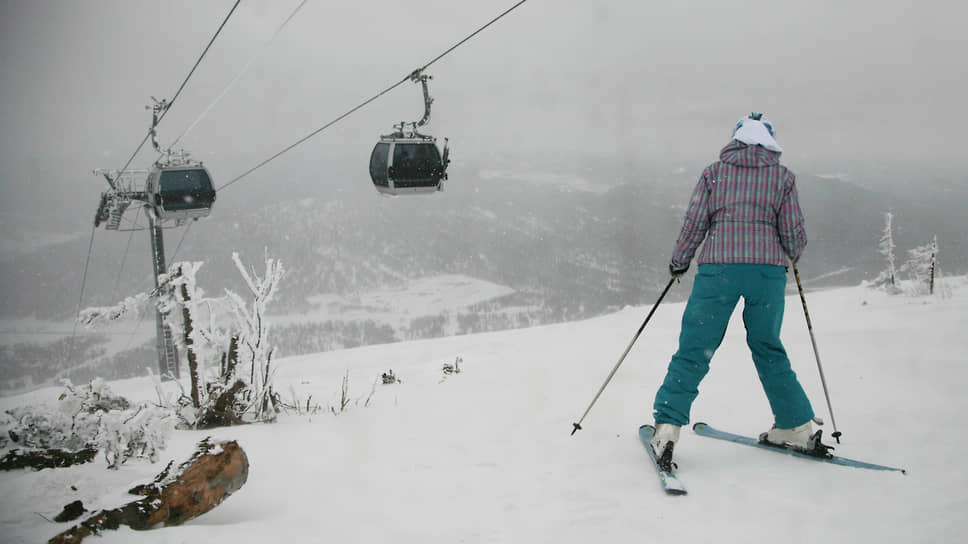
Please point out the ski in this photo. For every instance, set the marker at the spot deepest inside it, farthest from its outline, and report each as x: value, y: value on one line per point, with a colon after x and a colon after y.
x: 670, y: 482
x: 704, y: 429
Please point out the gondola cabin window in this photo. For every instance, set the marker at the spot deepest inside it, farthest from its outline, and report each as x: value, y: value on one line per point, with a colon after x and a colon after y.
x: 416, y: 165
x: 378, y: 165
x: 185, y: 189
x: 181, y: 193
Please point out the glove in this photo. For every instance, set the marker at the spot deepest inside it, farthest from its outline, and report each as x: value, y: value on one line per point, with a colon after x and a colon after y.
x: 677, y: 269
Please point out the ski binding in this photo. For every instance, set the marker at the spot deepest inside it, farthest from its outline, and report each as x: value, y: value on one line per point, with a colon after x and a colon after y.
x: 670, y: 482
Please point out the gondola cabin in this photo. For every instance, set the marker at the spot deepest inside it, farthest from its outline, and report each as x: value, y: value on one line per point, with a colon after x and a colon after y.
x: 407, y: 165
x: 180, y: 192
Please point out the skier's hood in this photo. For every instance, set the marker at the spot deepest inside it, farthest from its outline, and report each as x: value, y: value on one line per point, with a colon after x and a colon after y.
x: 754, y: 130
x: 745, y: 155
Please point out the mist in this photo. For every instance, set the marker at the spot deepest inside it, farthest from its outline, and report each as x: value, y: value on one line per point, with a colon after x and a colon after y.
x: 867, y: 99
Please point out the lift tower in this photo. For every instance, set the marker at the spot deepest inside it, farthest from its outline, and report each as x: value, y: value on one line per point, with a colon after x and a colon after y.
x: 176, y: 189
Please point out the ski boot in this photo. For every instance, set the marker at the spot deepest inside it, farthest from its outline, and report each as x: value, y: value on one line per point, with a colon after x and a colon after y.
x: 801, y: 438
x: 663, y: 442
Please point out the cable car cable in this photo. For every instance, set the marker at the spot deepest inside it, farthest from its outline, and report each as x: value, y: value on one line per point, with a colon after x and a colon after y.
x: 240, y: 74
x: 134, y: 331
x: 406, y: 78
x: 182, y: 86
x: 124, y: 256
x: 475, y: 33
x: 141, y: 315
x: 80, y: 298
x: 199, y: 61
x: 184, y: 234
x: 315, y: 132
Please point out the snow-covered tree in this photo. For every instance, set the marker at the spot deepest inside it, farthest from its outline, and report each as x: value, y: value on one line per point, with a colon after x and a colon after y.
x: 888, y: 277
x: 921, y: 265
x: 225, y: 339
x: 175, y: 295
x: 254, y: 349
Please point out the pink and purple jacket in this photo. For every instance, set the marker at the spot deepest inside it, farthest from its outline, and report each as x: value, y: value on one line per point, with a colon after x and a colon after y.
x: 746, y: 209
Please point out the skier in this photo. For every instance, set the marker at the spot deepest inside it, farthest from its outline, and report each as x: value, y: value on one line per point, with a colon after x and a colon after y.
x: 746, y: 209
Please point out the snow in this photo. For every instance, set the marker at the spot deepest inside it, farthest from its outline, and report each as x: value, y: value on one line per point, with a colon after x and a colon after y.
x: 486, y: 455
x: 838, y: 176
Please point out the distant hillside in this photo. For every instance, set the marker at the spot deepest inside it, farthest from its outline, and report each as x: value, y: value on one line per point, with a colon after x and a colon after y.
x: 580, y: 240
x: 566, y: 242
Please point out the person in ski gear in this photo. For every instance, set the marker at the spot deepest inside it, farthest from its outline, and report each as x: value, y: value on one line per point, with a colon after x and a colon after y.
x: 745, y: 212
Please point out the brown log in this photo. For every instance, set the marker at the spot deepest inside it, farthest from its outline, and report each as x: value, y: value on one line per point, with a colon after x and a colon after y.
x: 51, y: 458
x: 214, y: 472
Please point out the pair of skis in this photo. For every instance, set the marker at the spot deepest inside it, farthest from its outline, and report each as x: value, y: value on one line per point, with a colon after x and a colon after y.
x: 673, y: 486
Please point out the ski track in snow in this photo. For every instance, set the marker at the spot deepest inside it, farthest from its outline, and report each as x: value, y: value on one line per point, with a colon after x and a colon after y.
x: 486, y: 455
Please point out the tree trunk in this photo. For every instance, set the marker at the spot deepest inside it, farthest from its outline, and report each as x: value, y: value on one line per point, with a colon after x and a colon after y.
x: 223, y: 412
x: 189, y: 345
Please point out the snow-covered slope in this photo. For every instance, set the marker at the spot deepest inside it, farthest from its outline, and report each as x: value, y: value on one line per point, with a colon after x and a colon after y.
x: 486, y: 455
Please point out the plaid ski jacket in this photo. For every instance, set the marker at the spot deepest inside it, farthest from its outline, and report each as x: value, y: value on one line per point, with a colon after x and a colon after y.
x: 745, y: 207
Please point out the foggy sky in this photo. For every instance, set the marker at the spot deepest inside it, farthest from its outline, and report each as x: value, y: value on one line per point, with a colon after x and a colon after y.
x: 624, y: 78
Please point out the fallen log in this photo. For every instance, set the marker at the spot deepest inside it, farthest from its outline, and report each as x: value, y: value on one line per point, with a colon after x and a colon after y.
x: 50, y: 458
x: 213, y: 472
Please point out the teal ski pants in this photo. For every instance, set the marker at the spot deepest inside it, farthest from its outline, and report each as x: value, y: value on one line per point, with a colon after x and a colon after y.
x: 715, y: 293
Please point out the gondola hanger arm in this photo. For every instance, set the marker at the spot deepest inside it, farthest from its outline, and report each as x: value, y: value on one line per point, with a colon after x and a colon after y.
x: 416, y: 76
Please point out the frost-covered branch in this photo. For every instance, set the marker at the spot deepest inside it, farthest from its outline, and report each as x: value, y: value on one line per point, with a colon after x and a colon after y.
x: 253, y: 329
x: 130, y: 307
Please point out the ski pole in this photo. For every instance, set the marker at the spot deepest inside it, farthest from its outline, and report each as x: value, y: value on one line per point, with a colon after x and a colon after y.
x: 622, y: 358
x: 803, y: 299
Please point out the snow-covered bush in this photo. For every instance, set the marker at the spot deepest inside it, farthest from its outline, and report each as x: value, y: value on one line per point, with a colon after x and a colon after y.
x: 141, y: 432
x: 449, y: 369
x: 40, y: 427
x: 389, y: 378
x: 92, y: 416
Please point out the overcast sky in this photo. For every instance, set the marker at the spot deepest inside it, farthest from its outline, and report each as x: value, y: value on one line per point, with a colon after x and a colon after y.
x: 868, y: 79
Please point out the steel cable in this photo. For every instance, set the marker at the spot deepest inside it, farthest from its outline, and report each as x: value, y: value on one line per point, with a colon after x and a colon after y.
x: 369, y: 100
